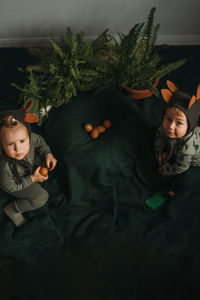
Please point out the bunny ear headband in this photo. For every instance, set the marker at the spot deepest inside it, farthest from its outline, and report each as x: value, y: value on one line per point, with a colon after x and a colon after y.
x: 167, y: 94
x: 29, y: 117
x: 189, y: 105
x: 21, y: 115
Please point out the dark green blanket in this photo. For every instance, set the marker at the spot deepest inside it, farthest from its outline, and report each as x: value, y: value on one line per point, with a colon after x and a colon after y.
x: 96, y: 239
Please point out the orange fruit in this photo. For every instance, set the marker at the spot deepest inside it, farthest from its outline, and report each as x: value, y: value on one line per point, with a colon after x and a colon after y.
x: 88, y: 127
x: 43, y: 171
x: 94, y: 133
x: 100, y: 128
x: 107, y: 124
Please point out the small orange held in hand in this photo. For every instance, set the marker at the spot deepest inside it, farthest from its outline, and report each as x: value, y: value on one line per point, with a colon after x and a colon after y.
x: 107, y: 124
x: 43, y: 171
x: 94, y: 133
x: 88, y: 127
x: 100, y: 128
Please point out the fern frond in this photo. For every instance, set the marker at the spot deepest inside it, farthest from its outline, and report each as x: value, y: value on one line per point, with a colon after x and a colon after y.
x: 147, y: 34
x: 56, y: 48
x: 35, y: 68
x: 166, y: 69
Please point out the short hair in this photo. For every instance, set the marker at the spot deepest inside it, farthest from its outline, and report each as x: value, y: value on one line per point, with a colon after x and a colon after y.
x: 175, y: 110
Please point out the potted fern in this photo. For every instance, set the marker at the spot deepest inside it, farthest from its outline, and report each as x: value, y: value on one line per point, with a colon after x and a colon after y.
x: 136, y: 63
x: 64, y: 69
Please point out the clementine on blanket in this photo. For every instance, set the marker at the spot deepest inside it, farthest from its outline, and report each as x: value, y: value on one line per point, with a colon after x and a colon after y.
x: 88, y: 127
x: 97, y: 129
x: 100, y: 128
x: 94, y: 133
x: 107, y: 124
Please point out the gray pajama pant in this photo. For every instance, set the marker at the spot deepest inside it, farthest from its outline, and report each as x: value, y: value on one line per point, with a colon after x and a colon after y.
x: 30, y: 198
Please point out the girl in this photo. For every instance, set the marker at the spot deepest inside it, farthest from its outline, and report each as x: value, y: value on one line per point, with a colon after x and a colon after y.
x: 22, y: 154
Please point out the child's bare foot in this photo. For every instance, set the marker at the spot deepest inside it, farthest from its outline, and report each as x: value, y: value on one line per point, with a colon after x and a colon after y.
x: 16, y: 217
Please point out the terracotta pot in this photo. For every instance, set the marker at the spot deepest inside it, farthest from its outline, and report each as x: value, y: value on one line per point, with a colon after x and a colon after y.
x: 140, y: 94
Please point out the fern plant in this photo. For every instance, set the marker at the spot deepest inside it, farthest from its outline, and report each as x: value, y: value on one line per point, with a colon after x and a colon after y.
x: 136, y: 62
x: 72, y: 65
x: 64, y: 69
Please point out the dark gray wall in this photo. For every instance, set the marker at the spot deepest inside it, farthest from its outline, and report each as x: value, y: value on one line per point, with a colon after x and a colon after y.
x: 29, y: 22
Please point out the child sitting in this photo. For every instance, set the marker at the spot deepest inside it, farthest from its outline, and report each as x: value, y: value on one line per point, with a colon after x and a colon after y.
x: 21, y: 155
x: 177, y: 144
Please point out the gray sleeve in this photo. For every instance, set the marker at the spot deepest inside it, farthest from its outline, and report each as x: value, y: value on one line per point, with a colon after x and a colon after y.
x: 9, y: 185
x: 159, y: 141
x: 182, y: 163
x: 40, y: 145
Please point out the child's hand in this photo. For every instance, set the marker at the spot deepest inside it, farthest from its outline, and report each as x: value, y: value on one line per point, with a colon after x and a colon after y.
x: 37, y: 177
x: 160, y: 169
x: 50, y: 161
x: 162, y: 157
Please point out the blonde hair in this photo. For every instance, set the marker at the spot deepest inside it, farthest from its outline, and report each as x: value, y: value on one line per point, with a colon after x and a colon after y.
x: 6, y: 123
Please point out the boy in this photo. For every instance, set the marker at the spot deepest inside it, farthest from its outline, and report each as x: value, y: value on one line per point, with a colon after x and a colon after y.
x: 177, y: 144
